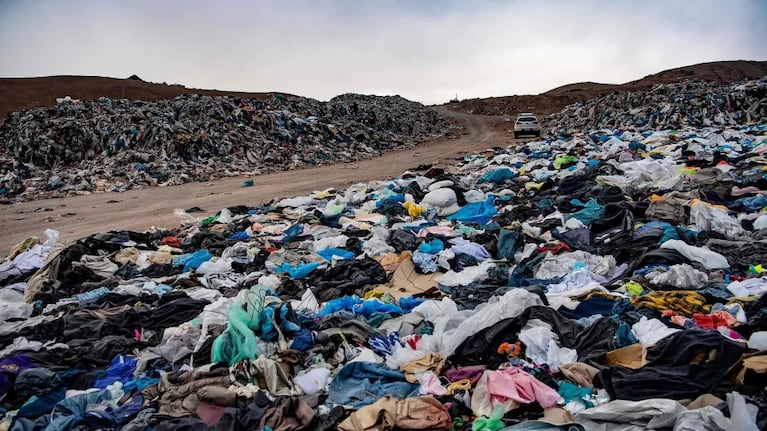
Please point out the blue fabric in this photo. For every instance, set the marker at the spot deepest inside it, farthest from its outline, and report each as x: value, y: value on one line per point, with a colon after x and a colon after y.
x: 425, y: 262
x: 477, y: 212
x: 194, y: 260
x: 239, y: 236
x: 669, y: 231
x: 409, y: 303
x: 623, y: 335
x: 358, y: 306
x: 390, y: 200
x: 339, y: 304
x: 361, y: 383
x: 123, y: 414
x: 267, y: 331
x: 292, y: 232
x: 69, y: 412
x: 139, y: 384
x: 119, y: 370
x: 303, y: 341
x: 372, y: 306
x: 328, y: 253
x: 590, y: 212
x: 298, y: 271
x: 754, y: 203
x: 497, y: 176
x: 432, y: 247
x: 572, y: 392
x: 384, y: 345
x: 39, y: 406
x: 589, y: 307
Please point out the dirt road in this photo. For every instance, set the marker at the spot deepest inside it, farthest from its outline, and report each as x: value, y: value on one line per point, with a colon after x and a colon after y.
x: 79, y: 216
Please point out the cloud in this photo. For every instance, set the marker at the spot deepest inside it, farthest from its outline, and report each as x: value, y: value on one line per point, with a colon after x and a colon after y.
x: 426, y: 51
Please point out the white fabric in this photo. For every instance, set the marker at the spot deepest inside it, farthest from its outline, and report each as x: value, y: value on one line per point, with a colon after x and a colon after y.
x: 748, y: 287
x: 680, y: 276
x: 467, y: 276
x: 650, y: 331
x: 709, y: 259
x: 312, y: 381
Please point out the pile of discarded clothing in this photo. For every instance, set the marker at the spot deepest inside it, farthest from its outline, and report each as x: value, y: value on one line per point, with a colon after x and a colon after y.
x: 608, y: 281
x: 668, y: 106
x: 115, y: 145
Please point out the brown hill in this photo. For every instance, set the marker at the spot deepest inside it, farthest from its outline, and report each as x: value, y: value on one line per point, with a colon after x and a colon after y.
x: 720, y: 72
x: 24, y: 93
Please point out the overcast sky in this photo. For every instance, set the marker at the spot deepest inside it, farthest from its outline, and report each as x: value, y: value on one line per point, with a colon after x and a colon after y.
x: 424, y: 50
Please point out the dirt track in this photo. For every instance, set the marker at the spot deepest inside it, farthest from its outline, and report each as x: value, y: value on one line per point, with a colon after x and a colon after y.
x: 78, y: 216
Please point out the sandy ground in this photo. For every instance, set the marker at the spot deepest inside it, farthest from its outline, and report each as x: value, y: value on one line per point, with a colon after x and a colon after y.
x: 79, y: 216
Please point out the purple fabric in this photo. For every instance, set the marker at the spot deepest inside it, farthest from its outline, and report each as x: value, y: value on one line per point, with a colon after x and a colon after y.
x: 10, y: 367
x: 472, y: 372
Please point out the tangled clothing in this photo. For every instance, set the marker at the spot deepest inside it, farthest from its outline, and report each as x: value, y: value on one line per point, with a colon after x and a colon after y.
x: 265, y: 374
x: 46, y: 280
x: 650, y: 331
x: 178, y: 395
x: 749, y: 287
x: 684, y: 302
x: 740, y: 253
x: 484, y: 399
x: 715, y: 218
x: 684, y: 365
x: 579, y: 373
x: 429, y: 362
x: 679, y: 276
x: 714, y: 320
x: 246, y: 418
x: 361, y: 383
x: 510, y: 387
x: 388, y: 414
x: 622, y: 415
x: 346, y: 277
x: 707, y: 258
x: 291, y: 414
x: 590, y: 343
x: 562, y: 264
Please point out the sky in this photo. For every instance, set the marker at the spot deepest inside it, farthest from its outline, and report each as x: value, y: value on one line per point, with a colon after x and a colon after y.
x: 428, y: 51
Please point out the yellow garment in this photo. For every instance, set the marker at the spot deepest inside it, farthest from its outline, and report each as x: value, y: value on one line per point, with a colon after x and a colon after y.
x: 22, y: 247
x: 375, y: 293
x: 684, y: 302
x: 461, y: 385
x: 413, y: 209
x: 322, y: 195
x: 533, y: 186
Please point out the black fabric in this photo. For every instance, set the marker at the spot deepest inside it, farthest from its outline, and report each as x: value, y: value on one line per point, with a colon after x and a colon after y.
x: 402, y: 240
x: 245, y: 419
x: 684, y: 365
x: 188, y: 423
x: 346, y: 277
x: 591, y: 342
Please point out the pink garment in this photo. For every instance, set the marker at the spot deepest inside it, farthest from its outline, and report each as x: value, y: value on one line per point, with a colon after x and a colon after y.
x: 517, y: 385
x: 430, y: 384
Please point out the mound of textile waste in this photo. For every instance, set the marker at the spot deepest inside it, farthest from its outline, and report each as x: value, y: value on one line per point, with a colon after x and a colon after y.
x: 667, y: 106
x: 605, y: 281
x: 115, y: 145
